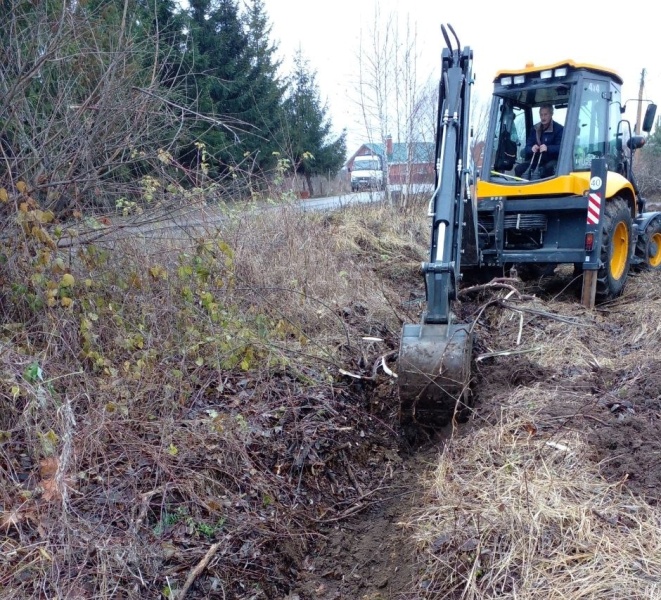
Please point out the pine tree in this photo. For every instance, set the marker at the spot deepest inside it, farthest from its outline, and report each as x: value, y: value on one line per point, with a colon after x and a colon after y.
x: 211, y: 62
x: 311, y: 146
x: 266, y: 88
x: 235, y: 84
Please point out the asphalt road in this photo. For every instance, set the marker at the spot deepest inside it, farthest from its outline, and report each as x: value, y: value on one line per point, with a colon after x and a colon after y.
x: 165, y: 221
x: 333, y: 202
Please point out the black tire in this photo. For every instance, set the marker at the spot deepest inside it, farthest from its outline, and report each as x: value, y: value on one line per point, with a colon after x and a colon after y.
x: 616, y: 249
x: 648, y: 246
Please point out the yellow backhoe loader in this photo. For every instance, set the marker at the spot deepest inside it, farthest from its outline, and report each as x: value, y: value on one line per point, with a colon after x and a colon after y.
x: 582, y: 208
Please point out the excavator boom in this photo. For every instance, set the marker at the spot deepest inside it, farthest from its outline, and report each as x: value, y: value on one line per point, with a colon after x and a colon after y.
x: 435, y: 355
x: 578, y: 206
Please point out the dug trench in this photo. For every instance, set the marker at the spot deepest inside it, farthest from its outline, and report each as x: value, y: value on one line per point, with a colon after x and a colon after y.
x: 539, y: 353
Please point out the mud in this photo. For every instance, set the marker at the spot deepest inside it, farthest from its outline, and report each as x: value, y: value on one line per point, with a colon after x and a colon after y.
x: 370, y: 556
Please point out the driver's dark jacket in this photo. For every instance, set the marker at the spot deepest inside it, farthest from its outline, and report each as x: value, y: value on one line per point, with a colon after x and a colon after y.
x: 551, y: 137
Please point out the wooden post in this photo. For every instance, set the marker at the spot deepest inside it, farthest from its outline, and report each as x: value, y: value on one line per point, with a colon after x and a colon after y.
x: 593, y: 228
x: 589, y: 288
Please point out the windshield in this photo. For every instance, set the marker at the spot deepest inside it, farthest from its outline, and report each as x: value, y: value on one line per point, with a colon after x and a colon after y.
x: 598, y: 130
x: 527, y: 135
x: 366, y: 165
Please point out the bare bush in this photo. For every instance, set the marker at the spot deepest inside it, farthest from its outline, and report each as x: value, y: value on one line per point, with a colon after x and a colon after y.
x: 171, y: 392
x: 83, y: 119
x: 648, y: 174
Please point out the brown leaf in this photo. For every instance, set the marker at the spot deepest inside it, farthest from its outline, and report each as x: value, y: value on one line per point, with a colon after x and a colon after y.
x: 51, y: 491
x: 530, y: 428
x: 48, y: 467
x: 11, y: 518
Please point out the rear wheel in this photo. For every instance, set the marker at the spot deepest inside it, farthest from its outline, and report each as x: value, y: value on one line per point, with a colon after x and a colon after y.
x: 648, y: 246
x: 616, y: 240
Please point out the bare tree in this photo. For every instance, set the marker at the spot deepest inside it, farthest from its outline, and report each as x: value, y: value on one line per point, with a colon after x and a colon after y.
x: 395, y: 100
x: 390, y: 95
x: 479, y: 118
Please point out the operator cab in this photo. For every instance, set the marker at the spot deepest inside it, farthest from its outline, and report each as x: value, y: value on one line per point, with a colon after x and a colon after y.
x: 585, y: 100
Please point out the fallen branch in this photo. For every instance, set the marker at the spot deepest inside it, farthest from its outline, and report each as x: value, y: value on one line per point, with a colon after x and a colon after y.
x: 496, y: 284
x: 543, y: 313
x: 506, y: 353
x: 351, y: 474
x: 357, y: 507
x: 570, y: 417
x: 379, y: 362
x: 198, y: 569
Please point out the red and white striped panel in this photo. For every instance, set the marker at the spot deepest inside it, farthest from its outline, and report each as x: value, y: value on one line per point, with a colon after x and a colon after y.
x: 594, y: 207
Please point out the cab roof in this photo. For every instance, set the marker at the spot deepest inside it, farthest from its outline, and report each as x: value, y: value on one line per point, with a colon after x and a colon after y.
x: 532, y: 68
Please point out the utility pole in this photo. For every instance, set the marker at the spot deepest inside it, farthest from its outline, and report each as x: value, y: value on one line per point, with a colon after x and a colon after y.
x: 639, y: 116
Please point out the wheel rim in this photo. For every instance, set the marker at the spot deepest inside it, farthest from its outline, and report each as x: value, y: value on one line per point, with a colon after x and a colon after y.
x: 620, y: 250
x: 655, y: 250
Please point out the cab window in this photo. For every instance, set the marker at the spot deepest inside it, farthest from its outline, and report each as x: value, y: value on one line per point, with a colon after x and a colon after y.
x: 593, y: 132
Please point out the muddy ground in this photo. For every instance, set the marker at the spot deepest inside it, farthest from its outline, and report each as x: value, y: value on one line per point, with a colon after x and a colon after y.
x: 617, y: 404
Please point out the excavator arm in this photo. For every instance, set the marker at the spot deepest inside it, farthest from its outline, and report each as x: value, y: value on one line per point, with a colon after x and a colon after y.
x: 435, y: 355
x: 451, y: 195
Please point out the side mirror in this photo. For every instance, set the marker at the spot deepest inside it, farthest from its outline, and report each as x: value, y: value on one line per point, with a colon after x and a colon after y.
x: 648, y: 121
x: 636, y: 141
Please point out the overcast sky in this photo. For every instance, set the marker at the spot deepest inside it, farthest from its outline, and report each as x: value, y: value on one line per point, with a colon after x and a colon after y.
x: 623, y: 36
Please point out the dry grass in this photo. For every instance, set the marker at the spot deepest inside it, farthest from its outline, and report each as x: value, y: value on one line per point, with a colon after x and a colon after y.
x: 515, y: 515
x: 520, y: 506
x: 171, y: 431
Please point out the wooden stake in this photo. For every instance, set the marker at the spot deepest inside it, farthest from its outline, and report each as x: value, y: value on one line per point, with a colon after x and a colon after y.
x: 589, y: 288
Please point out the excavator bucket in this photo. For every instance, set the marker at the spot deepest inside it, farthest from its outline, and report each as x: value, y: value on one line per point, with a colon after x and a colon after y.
x: 434, y: 372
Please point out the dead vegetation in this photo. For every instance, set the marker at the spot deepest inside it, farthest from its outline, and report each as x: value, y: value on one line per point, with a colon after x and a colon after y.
x: 207, y: 410
x: 174, y: 422
x: 519, y: 515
